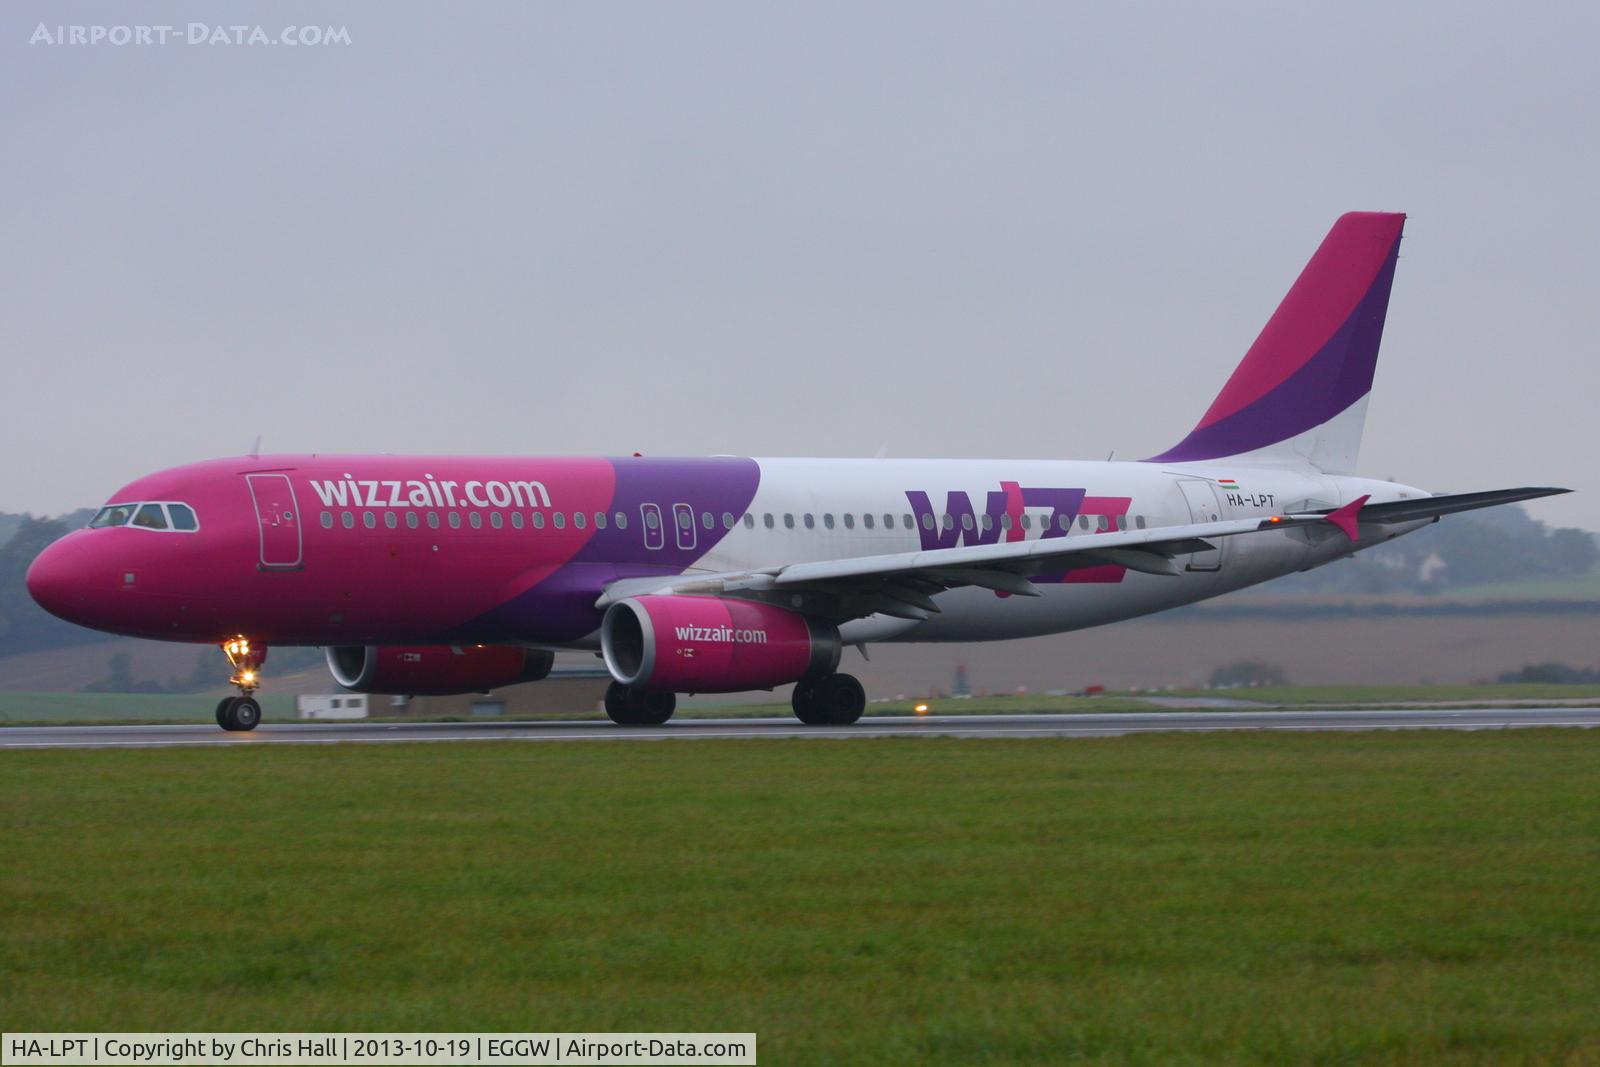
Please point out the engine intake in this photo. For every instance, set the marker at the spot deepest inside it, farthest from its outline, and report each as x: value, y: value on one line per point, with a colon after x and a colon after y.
x: 435, y: 670
x: 706, y: 644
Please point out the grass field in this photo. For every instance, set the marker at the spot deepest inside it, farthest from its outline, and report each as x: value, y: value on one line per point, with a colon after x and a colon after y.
x: 126, y: 707
x: 1334, y: 898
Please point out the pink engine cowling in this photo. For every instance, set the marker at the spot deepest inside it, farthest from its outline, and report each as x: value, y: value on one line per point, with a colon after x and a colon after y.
x: 434, y: 670
x: 707, y: 644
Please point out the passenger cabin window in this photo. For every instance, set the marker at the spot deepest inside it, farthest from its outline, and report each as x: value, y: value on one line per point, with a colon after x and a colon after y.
x: 150, y: 517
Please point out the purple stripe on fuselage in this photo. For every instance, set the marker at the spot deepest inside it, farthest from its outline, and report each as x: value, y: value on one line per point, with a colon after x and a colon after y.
x: 561, y: 608
x: 1330, y: 381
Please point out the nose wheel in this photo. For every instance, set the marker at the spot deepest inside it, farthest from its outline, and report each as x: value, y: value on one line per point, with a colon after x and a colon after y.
x: 242, y: 712
x: 238, y: 713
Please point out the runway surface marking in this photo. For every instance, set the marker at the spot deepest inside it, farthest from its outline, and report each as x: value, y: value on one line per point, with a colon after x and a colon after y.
x: 1109, y: 725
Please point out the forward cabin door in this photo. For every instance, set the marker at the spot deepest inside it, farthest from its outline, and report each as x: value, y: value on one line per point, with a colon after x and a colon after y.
x: 1204, y: 507
x: 278, y: 517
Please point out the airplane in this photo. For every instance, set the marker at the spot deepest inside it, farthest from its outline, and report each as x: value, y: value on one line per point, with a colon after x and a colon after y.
x: 448, y: 574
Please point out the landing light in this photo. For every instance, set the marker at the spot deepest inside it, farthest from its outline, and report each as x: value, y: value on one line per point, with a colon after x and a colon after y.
x: 921, y: 709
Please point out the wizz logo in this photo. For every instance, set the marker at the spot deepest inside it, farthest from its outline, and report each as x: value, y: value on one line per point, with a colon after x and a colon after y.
x: 1051, y: 512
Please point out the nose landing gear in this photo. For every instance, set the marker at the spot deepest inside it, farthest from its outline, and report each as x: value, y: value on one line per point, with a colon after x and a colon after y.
x: 242, y: 712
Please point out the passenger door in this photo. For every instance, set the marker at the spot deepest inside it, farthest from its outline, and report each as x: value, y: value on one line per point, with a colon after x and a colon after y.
x: 278, y: 518
x: 1204, y: 507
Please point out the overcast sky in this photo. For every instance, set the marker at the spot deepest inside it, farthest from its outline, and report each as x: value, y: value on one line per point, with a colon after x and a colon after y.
x: 981, y: 230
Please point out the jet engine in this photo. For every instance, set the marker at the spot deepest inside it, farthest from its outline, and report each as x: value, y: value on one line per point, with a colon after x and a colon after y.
x: 435, y: 670
x: 707, y: 644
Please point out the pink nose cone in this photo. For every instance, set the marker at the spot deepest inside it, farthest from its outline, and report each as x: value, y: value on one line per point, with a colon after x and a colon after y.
x: 56, y: 580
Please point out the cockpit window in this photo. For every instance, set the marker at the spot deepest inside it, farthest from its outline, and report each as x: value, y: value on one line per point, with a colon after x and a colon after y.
x: 150, y: 517
x: 113, y: 515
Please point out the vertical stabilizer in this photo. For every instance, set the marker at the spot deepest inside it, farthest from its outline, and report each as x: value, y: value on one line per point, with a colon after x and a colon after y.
x: 1300, y: 393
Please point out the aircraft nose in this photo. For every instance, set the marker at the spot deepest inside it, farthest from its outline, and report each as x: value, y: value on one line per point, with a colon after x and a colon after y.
x: 56, y: 579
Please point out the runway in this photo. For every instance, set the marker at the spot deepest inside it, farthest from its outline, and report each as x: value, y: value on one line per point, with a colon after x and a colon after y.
x: 688, y: 729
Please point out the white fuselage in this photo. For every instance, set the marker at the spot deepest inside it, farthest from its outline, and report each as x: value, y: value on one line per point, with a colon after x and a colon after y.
x: 825, y: 509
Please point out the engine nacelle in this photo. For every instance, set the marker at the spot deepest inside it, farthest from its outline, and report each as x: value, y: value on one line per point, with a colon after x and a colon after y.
x: 435, y: 670
x: 707, y: 644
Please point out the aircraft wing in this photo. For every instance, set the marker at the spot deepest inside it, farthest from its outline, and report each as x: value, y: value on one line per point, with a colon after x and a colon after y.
x: 1431, y: 507
x: 902, y: 584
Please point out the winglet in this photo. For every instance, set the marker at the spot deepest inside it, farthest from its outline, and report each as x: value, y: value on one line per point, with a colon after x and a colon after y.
x: 1345, y: 517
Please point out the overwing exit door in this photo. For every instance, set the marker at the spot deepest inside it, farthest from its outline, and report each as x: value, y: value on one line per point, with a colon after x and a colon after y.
x: 278, y: 518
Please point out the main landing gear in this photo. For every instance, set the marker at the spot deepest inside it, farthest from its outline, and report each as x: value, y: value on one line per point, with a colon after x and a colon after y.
x: 832, y: 700
x: 242, y: 712
x: 629, y: 706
